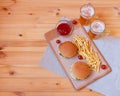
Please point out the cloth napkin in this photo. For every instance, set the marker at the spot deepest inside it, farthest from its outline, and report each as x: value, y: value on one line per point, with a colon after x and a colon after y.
x: 108, y: 85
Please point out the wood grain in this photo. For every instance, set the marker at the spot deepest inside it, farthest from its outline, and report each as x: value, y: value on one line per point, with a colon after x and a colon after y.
x: 18, y: 93
x: 22, y: 43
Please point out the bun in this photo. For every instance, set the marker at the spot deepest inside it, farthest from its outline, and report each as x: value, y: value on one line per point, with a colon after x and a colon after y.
x: 68, y: 49
x: 80, y: 70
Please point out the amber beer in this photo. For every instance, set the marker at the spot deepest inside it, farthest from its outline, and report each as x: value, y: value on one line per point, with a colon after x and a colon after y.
x: 87, y: 13
x: 97, y: 29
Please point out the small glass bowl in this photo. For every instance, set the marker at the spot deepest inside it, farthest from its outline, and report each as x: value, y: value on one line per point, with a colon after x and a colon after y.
x: 67, y: 22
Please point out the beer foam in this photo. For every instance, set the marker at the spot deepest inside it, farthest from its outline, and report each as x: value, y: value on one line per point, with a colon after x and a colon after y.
x: 98, y: 26
x: 87, y: 10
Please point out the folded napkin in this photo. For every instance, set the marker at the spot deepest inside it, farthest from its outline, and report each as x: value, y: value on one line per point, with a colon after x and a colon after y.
x: 109, y: 46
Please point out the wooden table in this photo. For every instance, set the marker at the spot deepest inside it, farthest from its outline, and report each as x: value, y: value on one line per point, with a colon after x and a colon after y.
x: 22, y: 44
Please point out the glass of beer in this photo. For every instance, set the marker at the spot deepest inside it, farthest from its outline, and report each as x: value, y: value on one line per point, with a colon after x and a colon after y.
x: 98, y: 29
x: 87, y: 13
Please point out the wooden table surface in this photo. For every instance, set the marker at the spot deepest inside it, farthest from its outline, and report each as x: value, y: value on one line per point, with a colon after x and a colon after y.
x: 22, y: 44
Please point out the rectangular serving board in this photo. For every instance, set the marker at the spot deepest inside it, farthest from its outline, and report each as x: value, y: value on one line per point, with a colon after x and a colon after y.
x: 51, y: 38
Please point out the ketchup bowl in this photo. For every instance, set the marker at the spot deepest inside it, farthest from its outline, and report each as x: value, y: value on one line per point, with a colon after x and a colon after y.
x: 64, y: 27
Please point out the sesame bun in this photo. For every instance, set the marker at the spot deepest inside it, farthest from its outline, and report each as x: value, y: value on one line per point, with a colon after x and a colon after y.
x: 67, y: 49
x: 80, y: 70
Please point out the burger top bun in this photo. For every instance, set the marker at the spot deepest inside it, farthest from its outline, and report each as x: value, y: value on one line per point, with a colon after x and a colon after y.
x: 68, y: 49
x: 80, y: 70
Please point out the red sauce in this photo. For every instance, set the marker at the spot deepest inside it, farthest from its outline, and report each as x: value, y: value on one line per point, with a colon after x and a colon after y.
x: 103, y: 66
x: 74, y: 22
x: 64, y: 29
x: 80, y: 57
x: 58, y: 41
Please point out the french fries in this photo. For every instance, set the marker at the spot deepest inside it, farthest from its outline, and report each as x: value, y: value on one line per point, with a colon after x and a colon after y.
x: 85, y: 49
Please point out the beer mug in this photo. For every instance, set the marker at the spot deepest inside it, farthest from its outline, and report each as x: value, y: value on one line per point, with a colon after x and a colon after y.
x: 98, y: 29
x: 87, y: 13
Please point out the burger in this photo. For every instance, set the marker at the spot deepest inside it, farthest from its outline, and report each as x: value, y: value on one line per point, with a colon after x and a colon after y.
x: 68, y: 49
x: 80, y: 71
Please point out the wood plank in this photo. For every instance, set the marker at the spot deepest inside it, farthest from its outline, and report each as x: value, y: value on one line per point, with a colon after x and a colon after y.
x: 20, y: 58
x: 52, y: 18
x: 60, y: 3
x: 40, y: 43
x: 25, y: 49
x: 26, y: 71
x: 36, y: 84
x: 80, y: 93
x: 21, y: 10
x: 27, y: 35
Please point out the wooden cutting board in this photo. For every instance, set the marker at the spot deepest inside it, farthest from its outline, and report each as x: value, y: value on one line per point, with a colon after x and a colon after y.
x: 52, y: 36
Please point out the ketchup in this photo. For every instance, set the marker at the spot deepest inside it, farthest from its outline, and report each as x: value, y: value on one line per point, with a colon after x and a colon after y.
x: 80, y: 57
x: 64, y: 29
x: 58, y: 41
x: 103, y: 66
